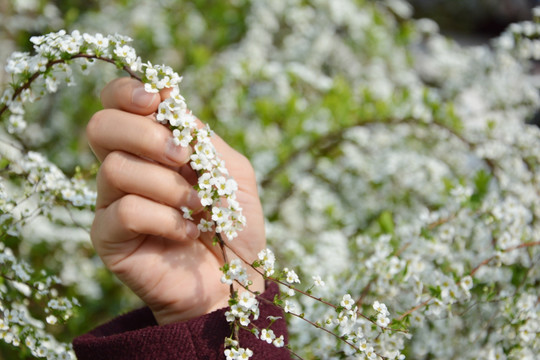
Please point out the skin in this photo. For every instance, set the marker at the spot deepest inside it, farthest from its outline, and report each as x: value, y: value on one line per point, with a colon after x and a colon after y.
x: 139, y: 231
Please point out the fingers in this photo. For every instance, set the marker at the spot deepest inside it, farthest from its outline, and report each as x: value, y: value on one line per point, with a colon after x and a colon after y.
x: 122, y: 173
x: 121, y: 127
x: 114, y: 130
x: 132, y: 215
x: 129, y: 95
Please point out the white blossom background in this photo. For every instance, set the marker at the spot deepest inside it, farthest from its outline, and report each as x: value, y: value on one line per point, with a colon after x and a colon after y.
x: 394, y: 162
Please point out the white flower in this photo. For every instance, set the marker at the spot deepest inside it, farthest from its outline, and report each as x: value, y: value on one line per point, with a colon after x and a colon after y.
x: 382, y: 320
x: 178, y: 98
x: 205, y: 181
x: 317, y: 281
x: 206, y: 197
x: 279, y: 342
x: 243, y: 318
x: 163, y: 114
x: 186, y: 212
x: 52, y: 83
x: 289, y: 307
x: 126, y: 52
x: 380, y: 308
x: 370, y: 353
x: 243, y: 354
x: 466, y: 283
x: 187, y: 120
x: 199, y: 162
x: 151, y: 88
x: 230, y: 354
x: 347, y: 302
x: 205, y: 226
x: 51, y: 319
x: 247, y: 301
x: 182, y: 138
x: 267, y: 260
x: 16, y: 124
x: 100, y: 41
x: 291, y: 276
x: 38, y: 63
x: 267, y: 335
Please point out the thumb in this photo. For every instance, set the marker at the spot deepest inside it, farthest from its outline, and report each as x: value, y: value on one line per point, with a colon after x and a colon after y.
x: 128, y: 94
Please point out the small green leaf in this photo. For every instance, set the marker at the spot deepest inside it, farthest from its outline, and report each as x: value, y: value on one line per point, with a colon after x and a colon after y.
x: 386, y: 222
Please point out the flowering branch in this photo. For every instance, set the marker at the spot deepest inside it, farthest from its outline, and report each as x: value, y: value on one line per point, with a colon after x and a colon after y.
x: 51, y: 63
x: 280, y: 282
x: 471, y: 274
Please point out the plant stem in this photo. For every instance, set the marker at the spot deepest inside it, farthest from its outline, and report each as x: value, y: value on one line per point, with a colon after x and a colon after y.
x: 51, y: 63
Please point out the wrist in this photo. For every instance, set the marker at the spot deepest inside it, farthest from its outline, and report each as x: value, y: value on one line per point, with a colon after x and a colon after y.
x: 173, y: 314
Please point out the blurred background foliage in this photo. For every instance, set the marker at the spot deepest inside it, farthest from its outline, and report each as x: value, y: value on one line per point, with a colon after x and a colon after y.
x: 197, y: 38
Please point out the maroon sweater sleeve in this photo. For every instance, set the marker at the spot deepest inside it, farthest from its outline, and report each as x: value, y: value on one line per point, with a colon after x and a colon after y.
x: 136, y: 335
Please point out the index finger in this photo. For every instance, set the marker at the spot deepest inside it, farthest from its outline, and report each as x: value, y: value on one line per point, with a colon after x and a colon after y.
x: 128, y: 94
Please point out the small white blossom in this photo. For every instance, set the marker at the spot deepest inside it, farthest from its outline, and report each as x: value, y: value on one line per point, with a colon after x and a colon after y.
x: 291, y: 276
x: 267, y: 335
x: 347, y: 302
x: 317, y: 281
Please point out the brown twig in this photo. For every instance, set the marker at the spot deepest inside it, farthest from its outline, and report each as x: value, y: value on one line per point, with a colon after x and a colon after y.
x: 277, y: 281
x: 51, y: 63
x: 473, y: 271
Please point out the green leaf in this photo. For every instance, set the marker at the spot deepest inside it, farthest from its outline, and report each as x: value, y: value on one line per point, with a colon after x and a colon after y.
x: 386, y: 222
x: 481, y: 183
x: 4, y: 163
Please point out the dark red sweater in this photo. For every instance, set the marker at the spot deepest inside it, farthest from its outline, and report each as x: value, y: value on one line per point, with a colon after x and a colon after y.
x: 137, y: 335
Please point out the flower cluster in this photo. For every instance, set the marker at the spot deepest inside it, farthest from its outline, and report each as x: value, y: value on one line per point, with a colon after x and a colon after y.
x: 234, y: 271
x: 216, y: 189
x: 382, y: 314
x: 18, y: 326
x: 244, y: 307
x: 267, y: 260
x: 522, y: 38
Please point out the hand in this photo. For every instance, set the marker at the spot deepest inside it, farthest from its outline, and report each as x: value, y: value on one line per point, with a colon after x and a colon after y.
x: 139, y: 231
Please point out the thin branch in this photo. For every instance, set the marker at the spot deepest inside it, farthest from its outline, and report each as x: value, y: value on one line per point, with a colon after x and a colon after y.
x: 473, y: 271
x: 51, y: 63
x: 309, y: 322
x: 414, y: 309
x: 520, y: 246
x: 277, y: 281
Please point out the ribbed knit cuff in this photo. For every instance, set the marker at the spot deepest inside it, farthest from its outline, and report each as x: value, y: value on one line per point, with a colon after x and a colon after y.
x: 136, y: 335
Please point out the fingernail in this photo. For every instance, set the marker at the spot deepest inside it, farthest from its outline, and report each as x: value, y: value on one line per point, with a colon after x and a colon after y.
x: 177, y: 153
x: 192, y: 231
x: 142, y: 98
x: 194, y: 202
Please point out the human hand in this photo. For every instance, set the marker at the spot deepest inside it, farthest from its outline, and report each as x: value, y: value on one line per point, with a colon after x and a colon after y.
x: 139, y: 230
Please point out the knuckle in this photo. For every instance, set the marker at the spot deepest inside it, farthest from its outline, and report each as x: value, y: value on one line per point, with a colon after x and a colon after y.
x: 154, y: 140
x: 158, y: 133
x: 112, y: 169
x: 126, y: 211
x: 113, y: 90
x: 95, y: 230
x: 94, y: 126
